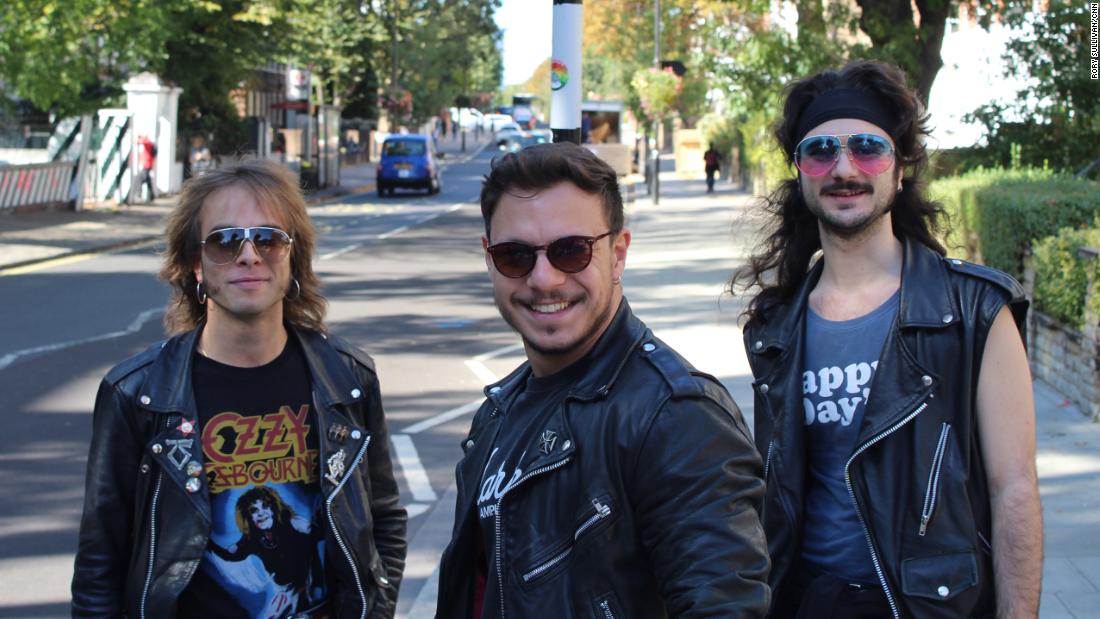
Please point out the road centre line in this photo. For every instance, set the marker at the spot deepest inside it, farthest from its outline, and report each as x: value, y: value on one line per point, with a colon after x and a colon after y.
x: 415, y: 475
x: 134, y: 327
x: 483, y: 373
x: 442, y: 418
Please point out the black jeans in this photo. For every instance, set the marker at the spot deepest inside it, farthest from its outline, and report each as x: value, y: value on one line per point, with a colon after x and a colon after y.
x: 823, y: 596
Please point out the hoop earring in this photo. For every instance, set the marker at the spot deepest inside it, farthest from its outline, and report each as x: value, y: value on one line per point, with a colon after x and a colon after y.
x: 200, y: 293
x: 297, y: 289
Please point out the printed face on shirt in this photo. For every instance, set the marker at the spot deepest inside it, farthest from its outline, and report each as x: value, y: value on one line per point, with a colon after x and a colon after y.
x: 559, y: 315
x: 261, y: 514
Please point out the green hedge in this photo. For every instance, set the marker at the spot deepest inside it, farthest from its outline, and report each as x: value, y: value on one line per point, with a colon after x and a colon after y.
x: 1061, y: 279
x: 997, y: 214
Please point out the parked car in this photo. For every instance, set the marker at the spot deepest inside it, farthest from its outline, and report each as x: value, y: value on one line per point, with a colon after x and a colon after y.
x: 408, y: 161
x: 466, y: 117
x: 492, y: 122
x: 505, y: 132
x: 523, y: 139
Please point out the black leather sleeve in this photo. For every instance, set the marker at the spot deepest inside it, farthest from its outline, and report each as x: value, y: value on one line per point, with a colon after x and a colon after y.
x: 699, y: 491
x: 390, y: 519
x: 104, y: 550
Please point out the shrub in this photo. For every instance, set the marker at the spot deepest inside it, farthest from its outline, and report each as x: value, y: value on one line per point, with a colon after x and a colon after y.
x: 996, y: 214
x: 1061, y: 278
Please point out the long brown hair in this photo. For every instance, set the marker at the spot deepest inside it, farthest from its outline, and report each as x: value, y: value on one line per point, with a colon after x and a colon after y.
x: 781, y: 260
x: 275, y: 187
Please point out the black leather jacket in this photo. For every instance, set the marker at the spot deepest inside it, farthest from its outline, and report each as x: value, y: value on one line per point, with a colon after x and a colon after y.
x: 142, y: 534
x: 647, y: 505
x: 916, y: 475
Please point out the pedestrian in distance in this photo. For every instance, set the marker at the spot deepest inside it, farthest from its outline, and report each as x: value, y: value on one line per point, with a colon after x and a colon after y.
x: 604, y: 476
x: 712, y: 162
x: 893, y: 397
x: 147, y: 157
x: 241, y: 468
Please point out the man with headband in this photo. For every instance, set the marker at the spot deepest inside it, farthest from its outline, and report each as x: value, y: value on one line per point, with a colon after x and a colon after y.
x: 893, y: 397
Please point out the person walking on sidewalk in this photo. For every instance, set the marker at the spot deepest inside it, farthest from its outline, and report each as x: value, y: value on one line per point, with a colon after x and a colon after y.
x: 893, y: 397
x: 712, y: 162
x: 604, y: 476
x: 241, y: 468
x: 147, y: 157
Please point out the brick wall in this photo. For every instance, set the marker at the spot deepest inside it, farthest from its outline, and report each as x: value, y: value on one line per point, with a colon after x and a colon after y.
x: 1064, y: 357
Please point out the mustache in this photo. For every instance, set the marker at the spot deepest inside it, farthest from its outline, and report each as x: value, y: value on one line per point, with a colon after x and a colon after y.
x: 848, y: 186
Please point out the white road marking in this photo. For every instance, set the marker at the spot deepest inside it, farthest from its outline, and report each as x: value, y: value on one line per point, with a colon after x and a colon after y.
x: 415, y: 509
x: 442, y: 418
x: 134, y: 327
x: 340, y: 252
x: 500, y: 352
x: 397, y: 230
x: 415, y: 475
x: 483, y: 373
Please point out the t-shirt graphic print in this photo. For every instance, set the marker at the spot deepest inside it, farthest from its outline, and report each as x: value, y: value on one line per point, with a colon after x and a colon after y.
x: 260, y: 450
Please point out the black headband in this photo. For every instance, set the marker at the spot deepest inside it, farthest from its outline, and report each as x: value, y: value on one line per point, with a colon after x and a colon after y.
x: 846, y: 103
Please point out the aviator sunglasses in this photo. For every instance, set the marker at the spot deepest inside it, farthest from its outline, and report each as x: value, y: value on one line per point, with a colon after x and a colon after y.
x: 222, y: 246
x: 570, y: 254
x: 870, y: 154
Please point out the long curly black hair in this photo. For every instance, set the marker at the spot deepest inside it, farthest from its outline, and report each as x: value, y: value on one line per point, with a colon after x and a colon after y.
x: 783, y: 257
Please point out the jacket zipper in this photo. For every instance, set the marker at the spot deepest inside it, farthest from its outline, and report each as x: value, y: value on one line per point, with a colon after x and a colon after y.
x: 152, y: 542
x: 496, y: 524
x: 606, y: 607
x: 602, y: 511
x: 933, y: 481
x: 336, y: 532
x: 862, y: 521
x: 768, y: 460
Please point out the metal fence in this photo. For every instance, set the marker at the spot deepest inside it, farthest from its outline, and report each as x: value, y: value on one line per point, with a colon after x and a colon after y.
x: 36, y: 184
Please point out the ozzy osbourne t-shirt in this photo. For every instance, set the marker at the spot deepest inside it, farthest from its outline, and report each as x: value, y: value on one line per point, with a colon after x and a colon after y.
x: 260, y: 449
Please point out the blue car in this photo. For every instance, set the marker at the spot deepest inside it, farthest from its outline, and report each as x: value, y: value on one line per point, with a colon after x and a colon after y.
x: 408, y: 161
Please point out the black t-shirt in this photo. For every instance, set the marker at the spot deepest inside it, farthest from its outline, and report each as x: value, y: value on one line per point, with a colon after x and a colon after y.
x: 260, y: 449
x: 522, y: 423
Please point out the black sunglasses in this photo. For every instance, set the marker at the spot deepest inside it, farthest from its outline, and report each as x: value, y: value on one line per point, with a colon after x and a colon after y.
x: 570, y: 254
x: 222, y: 246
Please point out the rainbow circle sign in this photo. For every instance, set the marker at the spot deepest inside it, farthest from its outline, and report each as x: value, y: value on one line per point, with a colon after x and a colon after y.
x: 559, y: 75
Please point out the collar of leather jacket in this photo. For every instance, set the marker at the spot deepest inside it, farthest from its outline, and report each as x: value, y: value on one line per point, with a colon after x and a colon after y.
x: 167, y: 386
x: 926, y: 299
x: 608, y: 357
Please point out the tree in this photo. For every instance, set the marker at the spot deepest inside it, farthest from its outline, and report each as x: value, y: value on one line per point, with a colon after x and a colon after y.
x: 240, y: 35
x: 1055, y: 119
x: 71, y: 58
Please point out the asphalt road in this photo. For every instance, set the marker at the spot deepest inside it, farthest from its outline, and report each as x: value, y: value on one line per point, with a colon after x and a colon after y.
x: 405, y: 279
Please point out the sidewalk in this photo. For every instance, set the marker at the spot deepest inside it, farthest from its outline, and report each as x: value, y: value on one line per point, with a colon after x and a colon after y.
x: 31, y: 238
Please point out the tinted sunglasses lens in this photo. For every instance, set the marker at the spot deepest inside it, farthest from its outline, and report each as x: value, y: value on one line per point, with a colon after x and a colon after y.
x: 816, y: 155
x: 513, y: 259
x: 870, y: 153
x: 570, y: 254
x: 222, y: 245
x: 272, y: 243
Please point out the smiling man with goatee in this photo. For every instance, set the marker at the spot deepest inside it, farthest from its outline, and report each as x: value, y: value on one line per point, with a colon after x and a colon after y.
x: 605, y: 476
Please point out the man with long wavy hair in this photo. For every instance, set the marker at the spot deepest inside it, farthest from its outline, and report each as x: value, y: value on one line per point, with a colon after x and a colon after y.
x: 893, y: 397
x: 248, y: 401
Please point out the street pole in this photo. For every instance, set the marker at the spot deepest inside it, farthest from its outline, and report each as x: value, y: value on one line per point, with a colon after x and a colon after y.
x: 565, y: 71
x: 656, y: 122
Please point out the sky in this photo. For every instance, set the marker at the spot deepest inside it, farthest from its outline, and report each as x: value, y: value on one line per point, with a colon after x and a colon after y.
x: 971, y: 74
x: 526, y: 26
